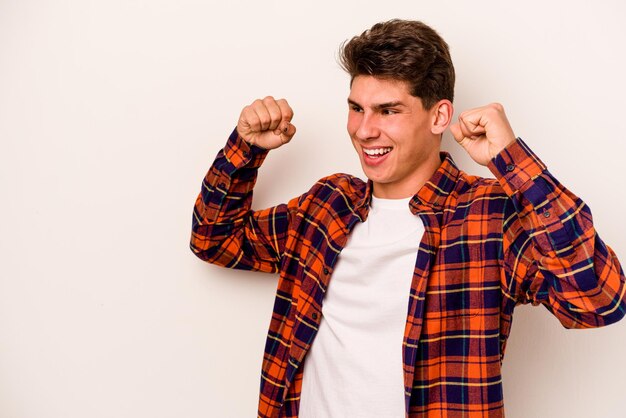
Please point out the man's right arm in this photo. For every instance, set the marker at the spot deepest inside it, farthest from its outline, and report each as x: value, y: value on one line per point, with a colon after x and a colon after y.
x: 225, y: 231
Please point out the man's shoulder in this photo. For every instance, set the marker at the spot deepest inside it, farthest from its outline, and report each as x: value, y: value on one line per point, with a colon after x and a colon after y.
x: 343, y: 180
x: 470, y: 187
x: 474, y: 197
x: 339, y: 185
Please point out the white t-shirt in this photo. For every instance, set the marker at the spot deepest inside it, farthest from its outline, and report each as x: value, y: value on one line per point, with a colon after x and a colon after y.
x: 354, y: 366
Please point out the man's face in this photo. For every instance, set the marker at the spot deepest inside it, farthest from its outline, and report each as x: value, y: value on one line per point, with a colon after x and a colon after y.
x: 392, y: 134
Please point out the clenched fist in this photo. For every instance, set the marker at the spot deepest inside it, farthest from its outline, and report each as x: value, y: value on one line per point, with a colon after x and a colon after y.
x: 266, y: 123
x: 483, y: 132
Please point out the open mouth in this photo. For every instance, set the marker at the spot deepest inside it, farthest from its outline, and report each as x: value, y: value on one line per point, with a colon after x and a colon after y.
x: 377, y: 152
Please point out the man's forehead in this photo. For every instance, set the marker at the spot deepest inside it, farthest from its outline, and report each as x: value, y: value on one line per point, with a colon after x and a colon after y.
x: 375, y: 91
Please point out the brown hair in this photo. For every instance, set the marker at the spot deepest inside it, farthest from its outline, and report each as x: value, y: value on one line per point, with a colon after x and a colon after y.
x: 404, y: 50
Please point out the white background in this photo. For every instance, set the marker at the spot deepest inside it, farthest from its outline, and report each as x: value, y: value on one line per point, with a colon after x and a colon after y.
x: 112, y: 111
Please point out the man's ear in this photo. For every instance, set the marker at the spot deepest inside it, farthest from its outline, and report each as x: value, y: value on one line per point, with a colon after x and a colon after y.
x: 442, y: 113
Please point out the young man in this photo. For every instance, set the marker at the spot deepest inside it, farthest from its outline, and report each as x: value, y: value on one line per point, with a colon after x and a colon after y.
x: 396, y: 295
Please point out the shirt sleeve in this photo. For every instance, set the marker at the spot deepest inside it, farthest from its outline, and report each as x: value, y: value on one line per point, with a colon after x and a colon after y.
x: 225, y: 231
x: 552, y: 253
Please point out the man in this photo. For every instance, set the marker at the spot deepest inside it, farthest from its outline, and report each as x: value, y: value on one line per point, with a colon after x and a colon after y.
x: 427, y: 262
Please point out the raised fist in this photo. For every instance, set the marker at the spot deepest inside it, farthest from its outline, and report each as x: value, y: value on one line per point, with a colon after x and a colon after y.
x: 266, y: 123
x: 484, y: 132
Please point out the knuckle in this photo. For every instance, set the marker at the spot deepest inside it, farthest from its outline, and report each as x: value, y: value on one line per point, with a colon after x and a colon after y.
x: 287, y: 114
x: 283, y: 104
x: 246, y: 115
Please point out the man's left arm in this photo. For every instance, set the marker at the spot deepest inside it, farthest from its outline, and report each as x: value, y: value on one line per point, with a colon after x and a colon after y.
x: 553, y: 254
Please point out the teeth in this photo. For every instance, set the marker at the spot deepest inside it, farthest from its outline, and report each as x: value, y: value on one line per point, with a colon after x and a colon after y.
x: 377, y: 151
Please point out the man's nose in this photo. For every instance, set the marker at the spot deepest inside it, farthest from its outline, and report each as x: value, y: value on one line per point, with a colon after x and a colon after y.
x: 368, y: 128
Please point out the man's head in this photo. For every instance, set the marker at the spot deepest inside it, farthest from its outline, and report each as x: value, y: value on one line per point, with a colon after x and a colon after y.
x: 400, y: 103
x: 403, y: 50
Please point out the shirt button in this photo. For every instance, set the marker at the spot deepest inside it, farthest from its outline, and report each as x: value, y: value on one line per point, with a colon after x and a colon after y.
x: 246, y: 154
x: 510, y: 167
x: 221, y: 186
x: 314, y: 315
x: 326, y: 271
x: 546, y: 214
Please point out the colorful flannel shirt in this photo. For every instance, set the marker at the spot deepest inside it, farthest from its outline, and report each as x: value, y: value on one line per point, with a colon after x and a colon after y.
x: 489, y: 245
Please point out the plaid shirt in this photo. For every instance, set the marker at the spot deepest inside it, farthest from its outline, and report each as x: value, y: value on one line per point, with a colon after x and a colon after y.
x: 489, y: 245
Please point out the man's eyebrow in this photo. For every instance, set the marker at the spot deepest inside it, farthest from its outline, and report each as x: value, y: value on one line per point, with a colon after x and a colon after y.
x: 388, y: 105
x: 353, y: 103
x: 380, y: 105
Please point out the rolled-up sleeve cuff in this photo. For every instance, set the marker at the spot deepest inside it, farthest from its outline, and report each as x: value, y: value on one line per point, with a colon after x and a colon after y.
x: 515, y: 166
x: 521, y: 173
x: 240, y: 153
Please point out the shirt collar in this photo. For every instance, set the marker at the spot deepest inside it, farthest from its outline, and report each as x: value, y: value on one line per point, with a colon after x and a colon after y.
x: 432, y: 195
x: 435, y: 192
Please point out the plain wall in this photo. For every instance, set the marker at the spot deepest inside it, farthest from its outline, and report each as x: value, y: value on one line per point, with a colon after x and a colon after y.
x: 112, y: 111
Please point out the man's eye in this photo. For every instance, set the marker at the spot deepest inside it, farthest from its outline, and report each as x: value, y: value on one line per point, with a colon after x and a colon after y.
x: 389, y: 112
x: 356, y: 109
